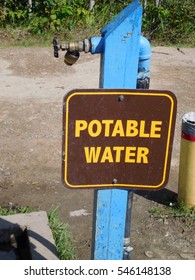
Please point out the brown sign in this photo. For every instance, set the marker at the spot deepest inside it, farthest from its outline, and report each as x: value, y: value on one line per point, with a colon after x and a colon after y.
x: 118, y: 138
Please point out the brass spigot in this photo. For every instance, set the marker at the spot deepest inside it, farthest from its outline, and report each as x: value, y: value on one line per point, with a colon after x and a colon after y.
x: 73, y: 49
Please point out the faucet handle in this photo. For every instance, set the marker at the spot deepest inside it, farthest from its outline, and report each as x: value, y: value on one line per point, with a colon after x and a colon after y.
x: 56, y: 47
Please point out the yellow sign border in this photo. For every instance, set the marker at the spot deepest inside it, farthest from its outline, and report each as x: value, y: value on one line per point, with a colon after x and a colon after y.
x: 119, y: 92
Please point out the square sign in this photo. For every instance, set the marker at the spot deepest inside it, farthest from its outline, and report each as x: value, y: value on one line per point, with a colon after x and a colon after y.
x: 118, y: 138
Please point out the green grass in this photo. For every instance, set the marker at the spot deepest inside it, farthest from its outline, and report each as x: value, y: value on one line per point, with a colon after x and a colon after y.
x: 61, y: 231
x: 10, y: 210
x: 62, y: 236
x: 20, y: 37
x: 175, y: 210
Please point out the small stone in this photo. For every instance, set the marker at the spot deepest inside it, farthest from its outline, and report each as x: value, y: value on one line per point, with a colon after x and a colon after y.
x: 149, y: 254
x: 187, y: 256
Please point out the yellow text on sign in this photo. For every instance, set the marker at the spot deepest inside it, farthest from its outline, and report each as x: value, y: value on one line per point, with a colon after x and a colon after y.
x: 114, y: 128
x: 116, y: 154
x: 111, y: 128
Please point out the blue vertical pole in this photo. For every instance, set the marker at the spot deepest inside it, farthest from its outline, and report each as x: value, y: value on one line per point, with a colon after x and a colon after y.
x: 119, y: 68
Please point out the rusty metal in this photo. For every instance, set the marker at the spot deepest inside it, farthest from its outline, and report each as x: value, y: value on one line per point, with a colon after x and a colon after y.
x: 73, y: 49
x: 78, y: 46
x: 71, y: 57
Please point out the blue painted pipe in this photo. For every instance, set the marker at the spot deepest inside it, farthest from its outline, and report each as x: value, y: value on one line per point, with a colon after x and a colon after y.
x: 97, y: 46
x: 144, y: 59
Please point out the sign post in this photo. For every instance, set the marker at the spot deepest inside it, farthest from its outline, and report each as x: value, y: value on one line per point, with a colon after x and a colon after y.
x: 116, y: 138
x: 119, y: 67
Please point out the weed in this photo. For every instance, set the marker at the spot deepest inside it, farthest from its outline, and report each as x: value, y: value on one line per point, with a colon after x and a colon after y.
x: 175, y: 210
x: 62, y: 236
x: 10, y: 210
x: 168, y: 22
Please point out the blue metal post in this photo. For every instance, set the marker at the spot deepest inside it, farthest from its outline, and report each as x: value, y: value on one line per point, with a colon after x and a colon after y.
x: 119, y: 68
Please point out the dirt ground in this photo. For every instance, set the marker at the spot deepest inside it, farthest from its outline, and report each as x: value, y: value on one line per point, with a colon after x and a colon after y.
x: 32, y: 86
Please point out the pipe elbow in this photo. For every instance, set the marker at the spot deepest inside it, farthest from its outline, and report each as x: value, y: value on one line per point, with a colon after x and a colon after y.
x: 145, y: 52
